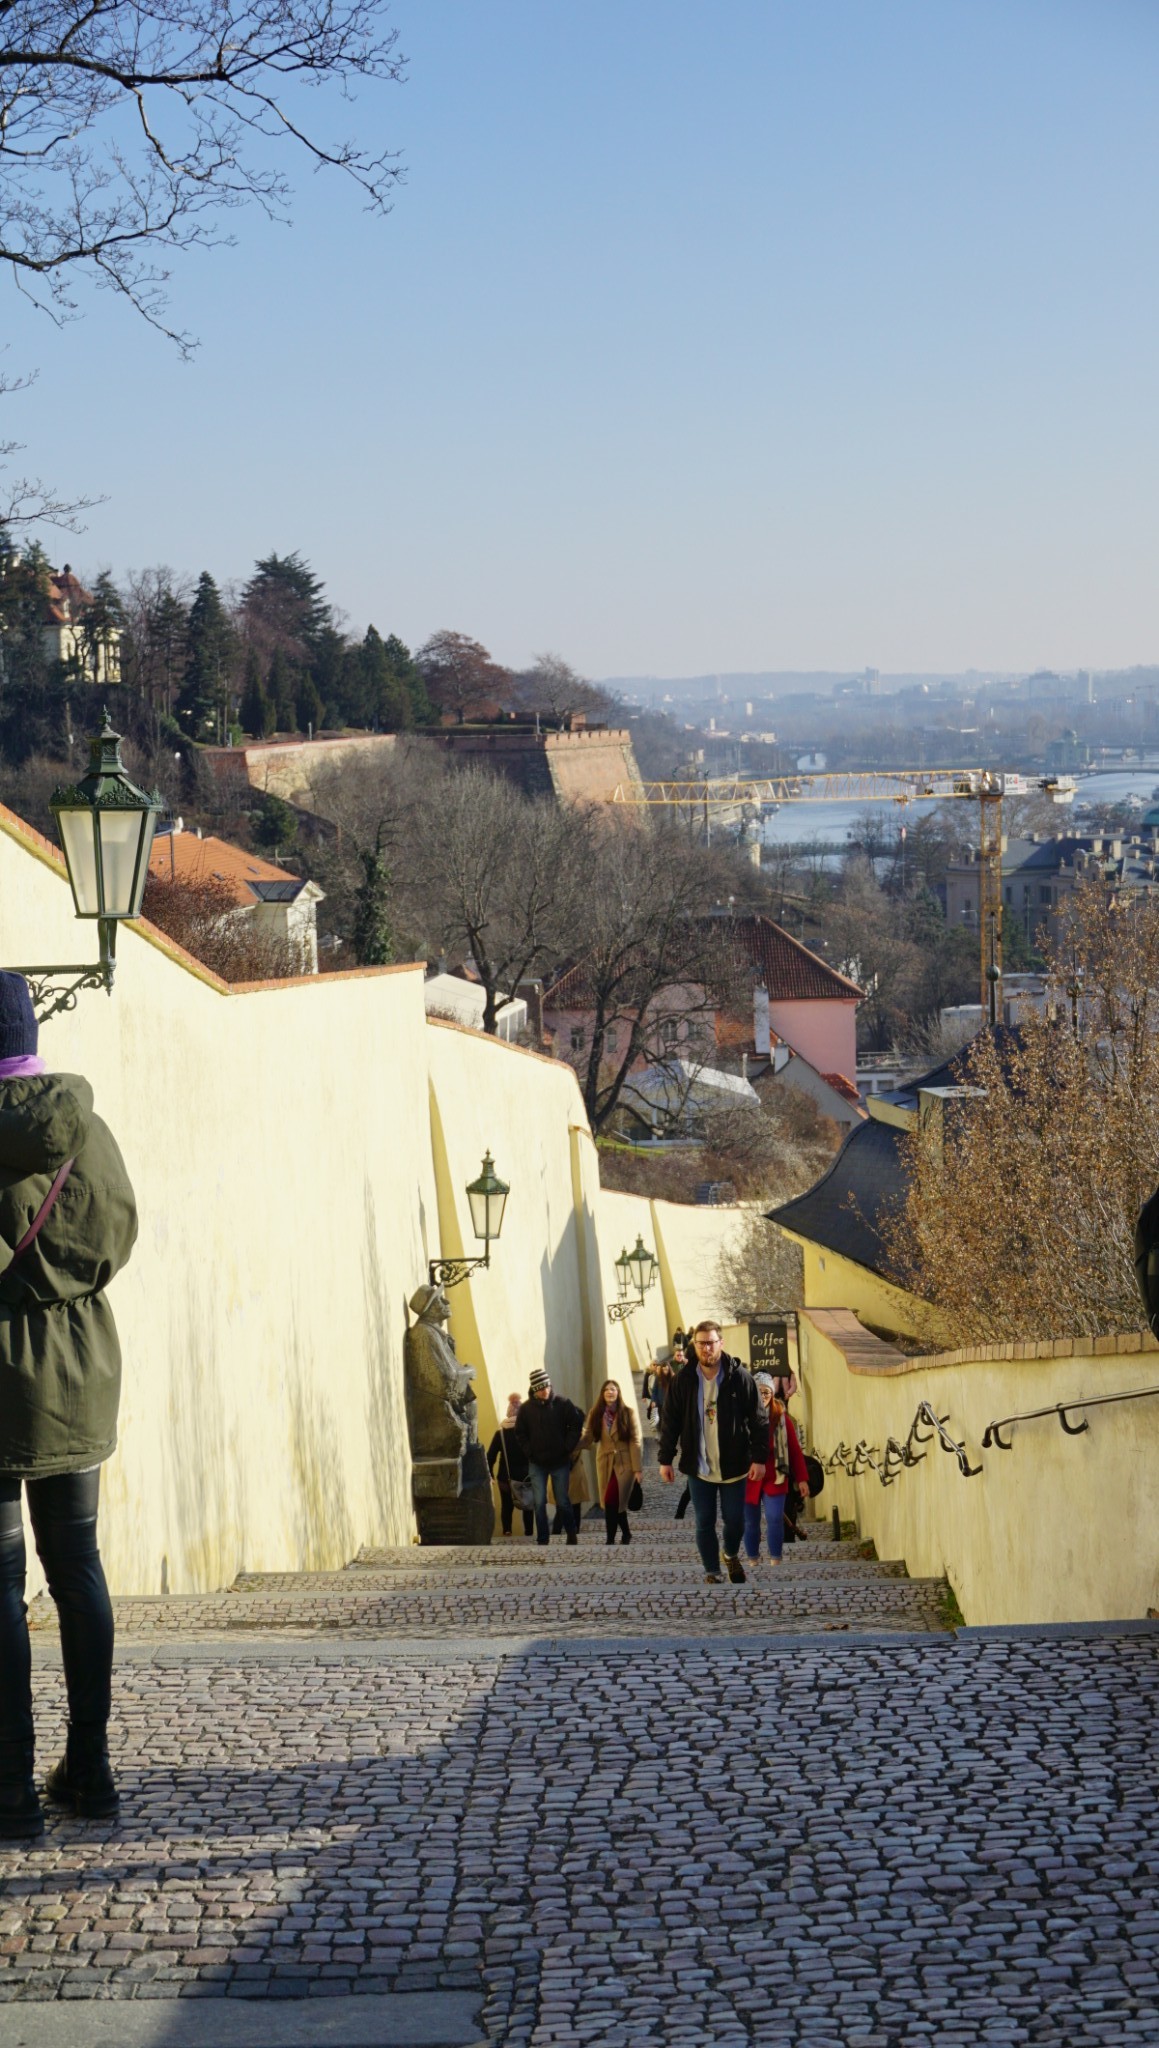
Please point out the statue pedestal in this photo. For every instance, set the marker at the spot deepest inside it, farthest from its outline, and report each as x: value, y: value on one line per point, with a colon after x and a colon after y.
x: 446, y: 1516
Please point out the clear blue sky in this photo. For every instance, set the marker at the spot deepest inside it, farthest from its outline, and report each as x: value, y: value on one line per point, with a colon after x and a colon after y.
x: 762, y: 335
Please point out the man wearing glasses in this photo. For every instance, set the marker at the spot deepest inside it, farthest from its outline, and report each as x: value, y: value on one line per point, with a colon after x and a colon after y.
x: 713, y: 1415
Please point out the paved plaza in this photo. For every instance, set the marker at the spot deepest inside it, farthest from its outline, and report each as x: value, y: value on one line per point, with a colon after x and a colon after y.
x: 509, y: 1796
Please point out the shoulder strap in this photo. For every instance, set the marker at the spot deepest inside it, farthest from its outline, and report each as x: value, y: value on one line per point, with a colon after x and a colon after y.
x: 503, y: 1448
x: 44, y: 1212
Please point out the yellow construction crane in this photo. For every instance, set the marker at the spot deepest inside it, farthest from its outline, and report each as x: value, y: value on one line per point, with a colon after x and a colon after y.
x: 984, y: 786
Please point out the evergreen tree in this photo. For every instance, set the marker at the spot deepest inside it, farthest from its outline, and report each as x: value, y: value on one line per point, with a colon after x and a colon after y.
x: 33, y: 693
x: 203, y: 704
x: 254, y: 711
x: 411, y: 680
x: 386, y: 706
x: 307, y: 705
x: 373, y: 933
x: 280, y: 687
x: 274, y: 825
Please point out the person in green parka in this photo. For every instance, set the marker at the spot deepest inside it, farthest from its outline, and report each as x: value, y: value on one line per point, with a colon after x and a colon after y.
x: 68, y: 1221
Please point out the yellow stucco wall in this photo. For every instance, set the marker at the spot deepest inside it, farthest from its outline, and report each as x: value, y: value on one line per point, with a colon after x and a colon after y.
x: 299, y: 1151
x: 830, y: 1281
x: 1059, y: 1528
x: 279, y: 1143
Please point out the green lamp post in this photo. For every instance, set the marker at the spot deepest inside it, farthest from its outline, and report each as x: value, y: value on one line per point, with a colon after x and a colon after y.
x: 106, y: 827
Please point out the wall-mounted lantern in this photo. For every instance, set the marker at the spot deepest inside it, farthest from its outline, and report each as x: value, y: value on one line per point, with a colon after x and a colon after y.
x: 636, y: 1272
x: 487, y: 1197
x: 106, y: 827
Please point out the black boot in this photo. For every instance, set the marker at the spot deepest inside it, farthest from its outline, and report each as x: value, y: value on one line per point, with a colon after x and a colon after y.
x: 610, y: 1524
x: 625, y: 1532
x: 82, y: 1779
x: 21, y: 1819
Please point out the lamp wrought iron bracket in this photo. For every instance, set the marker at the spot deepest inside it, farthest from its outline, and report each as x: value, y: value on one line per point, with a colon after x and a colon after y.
x: 619, y: 1311
x: 449, y: 1272
x: 54, y: 989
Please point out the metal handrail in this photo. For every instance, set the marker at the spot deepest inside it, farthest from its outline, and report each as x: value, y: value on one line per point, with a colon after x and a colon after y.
x: 992, y: 1436
x: 898, y: 1456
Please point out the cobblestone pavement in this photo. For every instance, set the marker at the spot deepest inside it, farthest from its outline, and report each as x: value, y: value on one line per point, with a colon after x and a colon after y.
x: 628, y: 1840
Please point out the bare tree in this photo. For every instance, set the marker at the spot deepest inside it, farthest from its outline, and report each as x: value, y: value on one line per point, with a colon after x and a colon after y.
x: 764, y: 1269
x: 653, y: 970
x: 28, y: 500
x: 1023, y: 1195
x: 459, y: 673
x: 498, y: 878
x: 129, y: 128
x: 205, y: 918
x: 372, y: 806
x: 551, y: 686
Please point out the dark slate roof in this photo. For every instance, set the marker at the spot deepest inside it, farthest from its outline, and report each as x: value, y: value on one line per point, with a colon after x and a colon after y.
x: 844, y: 1211
x: 846, y: 1208
x: 278, y: 892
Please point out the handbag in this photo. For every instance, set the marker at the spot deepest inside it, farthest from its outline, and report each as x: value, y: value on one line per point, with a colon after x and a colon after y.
x: 520, y: 1489
x: 635, y: 1498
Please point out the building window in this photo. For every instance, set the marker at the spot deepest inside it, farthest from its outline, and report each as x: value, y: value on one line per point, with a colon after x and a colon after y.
x: 577, y: 1037
x: 669, y: 1033
x: 611, y: 1040
x: 1044, y: 895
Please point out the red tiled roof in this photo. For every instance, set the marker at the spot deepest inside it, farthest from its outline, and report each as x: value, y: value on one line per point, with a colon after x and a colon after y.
x: 68, y: 600
x: 790, y: 972
x: 844, y: 1086
x: 183, y: 857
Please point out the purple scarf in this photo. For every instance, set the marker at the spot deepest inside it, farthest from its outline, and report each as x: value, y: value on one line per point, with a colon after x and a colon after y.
x: 22, y: 1064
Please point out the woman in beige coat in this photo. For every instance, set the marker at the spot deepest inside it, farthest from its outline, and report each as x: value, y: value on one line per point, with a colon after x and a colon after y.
x: 612, y: 1431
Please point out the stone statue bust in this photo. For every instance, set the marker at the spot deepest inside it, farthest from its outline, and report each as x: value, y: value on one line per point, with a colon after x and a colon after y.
x: 441, y: 1407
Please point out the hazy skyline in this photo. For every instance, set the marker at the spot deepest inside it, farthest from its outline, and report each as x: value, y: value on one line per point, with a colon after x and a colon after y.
x: 776, y: 337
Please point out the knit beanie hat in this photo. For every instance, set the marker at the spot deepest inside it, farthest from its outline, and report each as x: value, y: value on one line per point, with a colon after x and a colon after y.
x: 538, y: 1378
x: 18, y: 1026
x: 764, y: 1379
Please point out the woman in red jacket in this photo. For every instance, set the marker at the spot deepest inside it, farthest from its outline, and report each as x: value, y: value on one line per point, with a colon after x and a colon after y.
x: 785, y: 1460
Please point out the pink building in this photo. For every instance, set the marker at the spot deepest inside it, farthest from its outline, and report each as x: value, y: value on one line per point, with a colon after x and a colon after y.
x: 797, y: 1000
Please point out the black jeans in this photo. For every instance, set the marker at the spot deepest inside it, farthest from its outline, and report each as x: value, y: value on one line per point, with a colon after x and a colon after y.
x: 63, y: 1511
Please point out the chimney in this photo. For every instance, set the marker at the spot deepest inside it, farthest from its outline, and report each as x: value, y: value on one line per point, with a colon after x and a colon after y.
x: 762, y: 1040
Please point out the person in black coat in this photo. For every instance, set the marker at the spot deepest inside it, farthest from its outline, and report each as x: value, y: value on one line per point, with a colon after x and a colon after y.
x: 548, y: 1429
x: 712, y: 1417
x: 508, y: 1460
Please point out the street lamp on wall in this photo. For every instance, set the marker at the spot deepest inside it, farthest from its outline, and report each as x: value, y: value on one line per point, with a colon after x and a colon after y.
x: 636, y: 1272
x: 487, y: 1197
x: 106, y: 827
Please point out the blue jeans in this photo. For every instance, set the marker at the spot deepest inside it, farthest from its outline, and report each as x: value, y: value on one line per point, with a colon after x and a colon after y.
x: 560, y: 1477
x: 704, y: 1500
x: 774, y: 1506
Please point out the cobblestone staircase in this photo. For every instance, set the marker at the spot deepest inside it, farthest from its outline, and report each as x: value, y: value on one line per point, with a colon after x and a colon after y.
x: 513, y: 1588
x: 514, y: 1798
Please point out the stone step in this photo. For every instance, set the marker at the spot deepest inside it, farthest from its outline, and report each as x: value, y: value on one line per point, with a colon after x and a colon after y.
x: 552, y: 1604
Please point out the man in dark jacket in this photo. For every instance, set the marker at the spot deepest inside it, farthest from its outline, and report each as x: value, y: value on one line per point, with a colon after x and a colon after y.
x: 67, y: 1224
x: 712, y: 1415
x: 548, y: 1428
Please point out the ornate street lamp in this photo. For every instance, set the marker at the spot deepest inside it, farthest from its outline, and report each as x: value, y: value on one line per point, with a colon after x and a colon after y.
x: 106, y: 827
x: 487, y: 1197
x: 636, y: 1272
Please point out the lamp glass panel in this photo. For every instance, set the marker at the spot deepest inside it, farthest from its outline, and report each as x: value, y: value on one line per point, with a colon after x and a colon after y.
x: 623, y: 1275
x: 120, y: 857
x: 480, y: 1206
x: 78, y: 837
